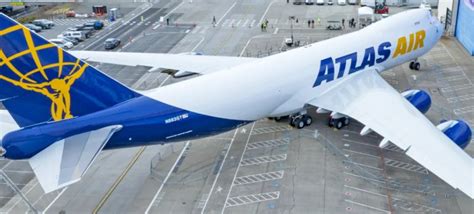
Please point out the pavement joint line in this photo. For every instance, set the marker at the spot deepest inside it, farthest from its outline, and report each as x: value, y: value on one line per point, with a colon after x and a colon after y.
x: 218, y: 172
x: 225, y: 14
x: 238, y: 166
x: 367, y: 206
x: 119, y: 180
x: 166, y: 178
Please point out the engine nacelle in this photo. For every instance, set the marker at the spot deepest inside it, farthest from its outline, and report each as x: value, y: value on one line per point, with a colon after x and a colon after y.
x: 418, y: 98
x: 458, y: 131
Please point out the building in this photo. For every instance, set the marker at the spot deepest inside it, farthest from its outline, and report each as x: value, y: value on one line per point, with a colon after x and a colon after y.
x: 462, y: 24
x: 464, y: 28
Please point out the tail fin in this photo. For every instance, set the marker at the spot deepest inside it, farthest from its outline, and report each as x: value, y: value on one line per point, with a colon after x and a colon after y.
x: 40, y: 82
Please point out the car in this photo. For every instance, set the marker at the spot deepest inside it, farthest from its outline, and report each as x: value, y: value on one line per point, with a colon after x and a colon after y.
x: 320, y: 2
x: 88, y: 31
x: 6, y: 9
x: 309, y: 2
x: 341, y: 2
x: 43, y: 23
x: 33, y: 27
x: 111, y: 43
x: 298, y: 2
x: 330, y: 2
x: 62, y: 43
x: 74, y: 41
x: 97, y: 25
x: 81, y: 36
x: 71, y: 13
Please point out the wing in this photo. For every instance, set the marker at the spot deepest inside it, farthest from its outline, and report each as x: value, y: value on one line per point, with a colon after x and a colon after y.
x: 187, y: 63
x: 367, y: 98
x: 65, y: 161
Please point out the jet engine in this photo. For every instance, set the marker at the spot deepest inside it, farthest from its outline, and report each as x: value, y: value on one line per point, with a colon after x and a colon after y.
x: 458, y: 131
x: 418, y: 98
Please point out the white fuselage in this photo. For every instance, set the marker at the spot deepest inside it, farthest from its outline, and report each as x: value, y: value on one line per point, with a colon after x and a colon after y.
x: 284, y: 83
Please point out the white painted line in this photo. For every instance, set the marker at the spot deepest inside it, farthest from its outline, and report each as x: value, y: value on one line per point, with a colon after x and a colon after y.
x: 457, y: 87
x: 366, y: 191
x: 253, y: 23
x: 367, y: 206
x: 197, y: 45
x: 157, y: 26
x: 465, y: 97
x: 225, y: 14
x: 54, y: 200
x: 266, y: 11
x: 361, y: 153
x: 245, y: 23
x: 238, y: 23
x: 276, y: 30
x: 187, y: 31
x: 218, y: 172
x: 364, y: 165
x: 166, y: 178
x: 464, y: 110
x: 171, y: 11
x: 238, y: 167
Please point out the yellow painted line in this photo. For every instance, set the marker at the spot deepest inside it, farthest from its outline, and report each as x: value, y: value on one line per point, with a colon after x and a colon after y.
x: 119, y: 179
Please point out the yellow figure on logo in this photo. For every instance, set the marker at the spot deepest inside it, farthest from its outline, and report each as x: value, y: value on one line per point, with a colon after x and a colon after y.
x: 57, y: 89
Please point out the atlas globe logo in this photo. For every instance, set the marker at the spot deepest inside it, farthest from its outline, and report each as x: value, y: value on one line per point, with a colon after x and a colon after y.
x: 52, y: 80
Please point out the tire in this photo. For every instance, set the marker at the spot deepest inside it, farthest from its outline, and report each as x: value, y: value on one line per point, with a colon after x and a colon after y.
x: 292, y: 122
x: 308, y: 120
x: 329, y: 123
x: 278, y: 119
x: 346, y: 121
x: 417, y: 66
x: 339, y: 124
x: 299, y: 123
x: 412, y: 67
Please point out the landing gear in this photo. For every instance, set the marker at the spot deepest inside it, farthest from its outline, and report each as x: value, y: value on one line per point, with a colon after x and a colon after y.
x: 300, y: 120
x: 415, y: 65
x: 339, y: 123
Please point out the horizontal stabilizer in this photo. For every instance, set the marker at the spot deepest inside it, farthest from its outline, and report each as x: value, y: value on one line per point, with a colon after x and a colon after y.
x: 65, y: 161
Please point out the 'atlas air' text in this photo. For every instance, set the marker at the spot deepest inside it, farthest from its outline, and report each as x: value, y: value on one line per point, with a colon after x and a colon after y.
x: 372, y: 56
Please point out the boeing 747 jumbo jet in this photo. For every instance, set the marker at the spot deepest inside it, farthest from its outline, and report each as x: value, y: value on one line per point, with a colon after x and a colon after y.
x: 64, y: 112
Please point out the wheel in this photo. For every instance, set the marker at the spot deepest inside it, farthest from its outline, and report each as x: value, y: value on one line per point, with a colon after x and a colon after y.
x: 339, y: 124
x: 292, y: 122
x: 411, y: 65
x: 330, y: 124
x: 417, y: 66
x: 308, y: 120
x: 346, y: 121
x: 278, y: 119
x: 299, y: 123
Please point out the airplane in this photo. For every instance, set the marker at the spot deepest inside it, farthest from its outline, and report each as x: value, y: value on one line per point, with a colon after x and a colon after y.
x: 62, y: 112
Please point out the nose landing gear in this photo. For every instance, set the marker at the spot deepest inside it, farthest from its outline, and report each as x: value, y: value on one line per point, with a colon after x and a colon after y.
x: 415, y: 65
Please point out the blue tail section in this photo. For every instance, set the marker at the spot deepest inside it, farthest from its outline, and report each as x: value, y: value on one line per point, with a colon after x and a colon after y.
x: 40, y: 82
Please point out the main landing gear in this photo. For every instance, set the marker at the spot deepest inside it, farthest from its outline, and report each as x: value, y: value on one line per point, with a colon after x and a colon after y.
x: 300, y: 120
x: 338, y: 122
x: 415, y: 65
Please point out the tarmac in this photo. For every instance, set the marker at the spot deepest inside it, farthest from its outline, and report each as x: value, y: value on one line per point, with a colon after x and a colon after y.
x: 266, y: 166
